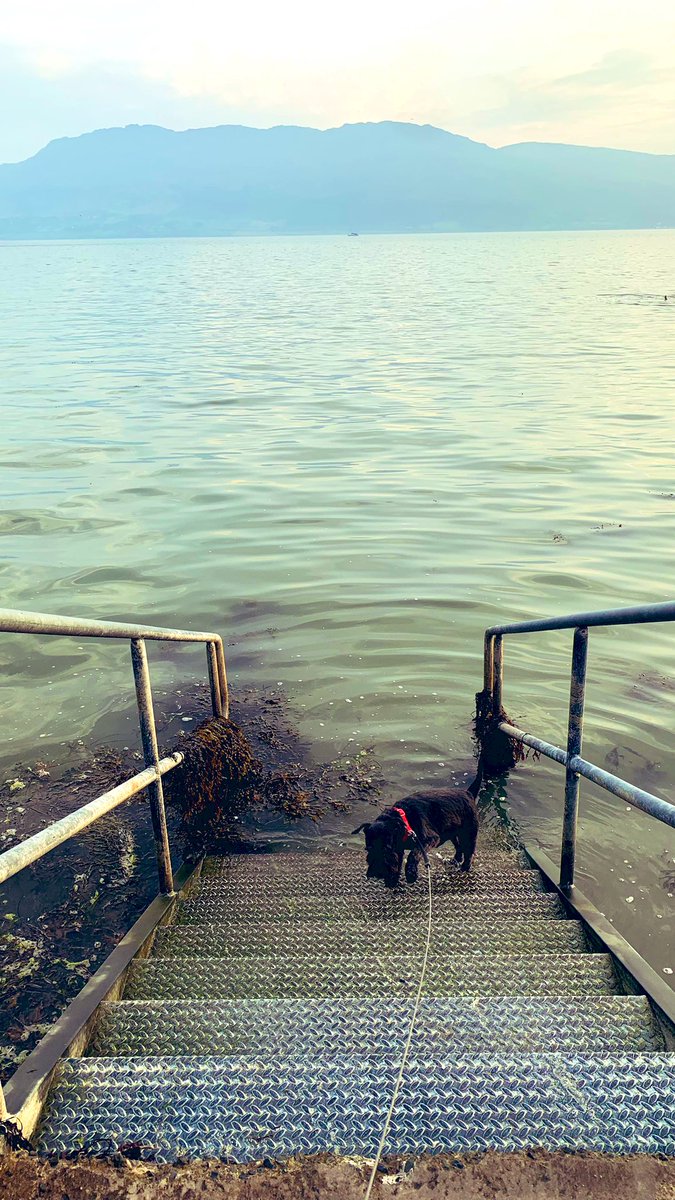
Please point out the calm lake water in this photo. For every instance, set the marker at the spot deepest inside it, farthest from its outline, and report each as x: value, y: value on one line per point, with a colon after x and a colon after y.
x: 349, y: 456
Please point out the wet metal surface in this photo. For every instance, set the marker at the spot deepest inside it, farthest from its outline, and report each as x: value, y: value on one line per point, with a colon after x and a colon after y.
x: 592, y: 1024
x: 303, y: 976
x: 249, y: 1107
x: 351, y: 937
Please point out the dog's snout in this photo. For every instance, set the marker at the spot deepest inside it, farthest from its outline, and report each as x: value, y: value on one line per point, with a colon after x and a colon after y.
x: 384, y: 856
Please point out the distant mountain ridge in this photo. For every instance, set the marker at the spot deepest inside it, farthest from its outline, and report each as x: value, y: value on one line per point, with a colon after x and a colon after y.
x: 145, y: 181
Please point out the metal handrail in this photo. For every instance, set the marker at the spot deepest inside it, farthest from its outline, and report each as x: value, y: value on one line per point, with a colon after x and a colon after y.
x: 640, y: 614
x: 35, y: 847
x: 571, y: 759
x: 14, y: 620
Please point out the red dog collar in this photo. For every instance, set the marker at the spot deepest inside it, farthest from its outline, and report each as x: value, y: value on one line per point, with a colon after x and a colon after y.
x: 409, y: 831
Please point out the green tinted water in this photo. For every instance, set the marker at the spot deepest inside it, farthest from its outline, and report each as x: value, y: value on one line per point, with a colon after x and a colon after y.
x: 350, y: 456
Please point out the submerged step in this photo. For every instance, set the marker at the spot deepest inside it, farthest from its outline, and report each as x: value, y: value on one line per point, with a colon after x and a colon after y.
x: 352, y: 937
x: 251, y: 1107
x: 208, y: 907
x: 616, y: 1024
x: 306, y: 977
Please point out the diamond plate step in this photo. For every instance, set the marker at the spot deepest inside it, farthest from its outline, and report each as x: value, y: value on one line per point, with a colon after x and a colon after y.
x: 209, y: 908
x: 340, y: 879
x: 611, y: 1024
x: 246, y: 1108
x: 304, y: 978
x: 350, y: 861
x: 281, y: 938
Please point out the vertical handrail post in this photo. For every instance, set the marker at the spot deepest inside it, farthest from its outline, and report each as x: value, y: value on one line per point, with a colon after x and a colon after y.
x: 497, y: 674
x: 214, y: 679
x: 146, y: 715
x: 3, y: 1110
x: 222, y: 675
x: 575, y: 729
x: 488, y: 663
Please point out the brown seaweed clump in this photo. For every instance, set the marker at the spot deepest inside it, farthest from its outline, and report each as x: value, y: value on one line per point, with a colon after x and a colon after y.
x: 216, y: 781
x: 499, y: 752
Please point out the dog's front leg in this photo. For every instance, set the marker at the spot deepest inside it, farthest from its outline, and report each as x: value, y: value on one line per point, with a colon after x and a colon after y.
x: 415, y: 856
x: 412, y: 866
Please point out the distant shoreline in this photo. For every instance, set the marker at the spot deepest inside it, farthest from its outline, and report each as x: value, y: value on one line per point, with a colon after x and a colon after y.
x: 143, y: 181
x: 383, y: 233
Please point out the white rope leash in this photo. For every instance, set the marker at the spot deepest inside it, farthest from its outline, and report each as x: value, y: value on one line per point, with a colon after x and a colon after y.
x: 404, y: 1060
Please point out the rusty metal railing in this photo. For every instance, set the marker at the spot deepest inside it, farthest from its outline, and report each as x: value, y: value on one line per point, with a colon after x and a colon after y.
x: 575, y: 766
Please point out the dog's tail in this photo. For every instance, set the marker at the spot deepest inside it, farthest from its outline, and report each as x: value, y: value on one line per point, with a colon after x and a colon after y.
x: 474, y: 787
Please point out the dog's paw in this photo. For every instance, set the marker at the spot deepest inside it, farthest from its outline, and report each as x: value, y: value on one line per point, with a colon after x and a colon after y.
x: 411, y: 872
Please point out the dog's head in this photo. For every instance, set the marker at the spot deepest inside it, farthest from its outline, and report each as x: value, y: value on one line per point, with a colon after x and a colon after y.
x: 385, y: 840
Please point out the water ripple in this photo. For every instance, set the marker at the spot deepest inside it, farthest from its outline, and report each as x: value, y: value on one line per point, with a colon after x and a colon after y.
x: 351, y: 459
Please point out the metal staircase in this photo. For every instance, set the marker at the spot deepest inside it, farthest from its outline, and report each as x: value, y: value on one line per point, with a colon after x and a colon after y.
x: 260, y: 1004
x: 268, y: 1019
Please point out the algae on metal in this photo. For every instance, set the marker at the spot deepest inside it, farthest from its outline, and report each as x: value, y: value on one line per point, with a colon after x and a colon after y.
x: 499, y: 752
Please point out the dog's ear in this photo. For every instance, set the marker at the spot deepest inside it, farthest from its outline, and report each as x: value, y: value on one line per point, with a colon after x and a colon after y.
x: 366, y: 825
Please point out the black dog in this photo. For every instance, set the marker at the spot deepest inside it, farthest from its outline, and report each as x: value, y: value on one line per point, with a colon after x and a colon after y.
x: 425, y: 819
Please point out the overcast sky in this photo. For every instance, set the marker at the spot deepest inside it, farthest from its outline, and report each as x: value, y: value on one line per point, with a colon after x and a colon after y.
x: 594, y: 72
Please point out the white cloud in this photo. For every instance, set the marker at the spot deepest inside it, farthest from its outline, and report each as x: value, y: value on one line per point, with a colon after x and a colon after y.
x: 624, y: 99
x: 493, y: 69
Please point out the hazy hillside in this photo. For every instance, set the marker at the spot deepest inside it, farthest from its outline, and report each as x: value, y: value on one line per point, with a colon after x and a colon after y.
x: 149, y: 181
